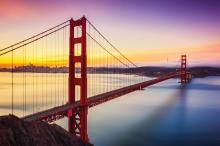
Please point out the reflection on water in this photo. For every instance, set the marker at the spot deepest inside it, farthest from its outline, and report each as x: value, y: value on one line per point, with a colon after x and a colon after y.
x: 166, y: 114
x: 35, y: 92
x: 162, y: 115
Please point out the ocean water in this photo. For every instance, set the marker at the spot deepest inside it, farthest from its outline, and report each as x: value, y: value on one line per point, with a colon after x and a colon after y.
x: 165, y: 114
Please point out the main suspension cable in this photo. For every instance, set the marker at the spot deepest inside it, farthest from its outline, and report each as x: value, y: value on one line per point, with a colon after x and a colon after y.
x: 111, y: 44
x: 34, y: 36
x: 34, y: 40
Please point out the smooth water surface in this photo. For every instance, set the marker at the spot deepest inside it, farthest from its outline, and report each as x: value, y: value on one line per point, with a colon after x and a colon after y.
x: 165, y: 114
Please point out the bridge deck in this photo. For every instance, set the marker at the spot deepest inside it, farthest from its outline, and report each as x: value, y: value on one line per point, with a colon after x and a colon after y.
x: 59, y: 112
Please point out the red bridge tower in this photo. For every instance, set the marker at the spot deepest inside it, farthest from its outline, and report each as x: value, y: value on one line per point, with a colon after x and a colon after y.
x: 183, y: 70
x: 77, y: 118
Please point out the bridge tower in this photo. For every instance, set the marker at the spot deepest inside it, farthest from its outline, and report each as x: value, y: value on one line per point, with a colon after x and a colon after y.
x: 77, y: 119
x: 183, y: 70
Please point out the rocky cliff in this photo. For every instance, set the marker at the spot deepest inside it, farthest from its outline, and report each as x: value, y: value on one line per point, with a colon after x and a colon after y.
x: 16, y: 132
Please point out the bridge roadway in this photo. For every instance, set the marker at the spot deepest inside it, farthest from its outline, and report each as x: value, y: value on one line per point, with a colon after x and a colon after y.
x: 59, y: 112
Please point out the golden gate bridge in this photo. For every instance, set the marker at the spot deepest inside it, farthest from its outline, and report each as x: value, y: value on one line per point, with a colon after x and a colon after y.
x: 80, y: 65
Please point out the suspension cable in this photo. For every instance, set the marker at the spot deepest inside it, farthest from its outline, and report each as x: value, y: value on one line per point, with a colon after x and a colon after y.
x: 12, y: 81
x: 111, y: 44
x: 33, y: 40
x: 108, y: 51
x: 34, y: 36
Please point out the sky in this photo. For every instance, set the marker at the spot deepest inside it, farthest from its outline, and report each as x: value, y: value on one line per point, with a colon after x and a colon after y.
x: 149, y: 32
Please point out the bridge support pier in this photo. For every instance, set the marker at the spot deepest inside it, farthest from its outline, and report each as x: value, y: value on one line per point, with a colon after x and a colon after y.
x: 77, y: 119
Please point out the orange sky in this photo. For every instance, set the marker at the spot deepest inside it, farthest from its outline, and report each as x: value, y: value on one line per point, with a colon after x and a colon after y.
x: 146, y: 33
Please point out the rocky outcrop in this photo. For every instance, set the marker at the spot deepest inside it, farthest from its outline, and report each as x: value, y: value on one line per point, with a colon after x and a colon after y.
x: 16, y: 132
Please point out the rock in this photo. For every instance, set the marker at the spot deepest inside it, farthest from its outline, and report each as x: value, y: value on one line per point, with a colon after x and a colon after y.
x: 16, y: 132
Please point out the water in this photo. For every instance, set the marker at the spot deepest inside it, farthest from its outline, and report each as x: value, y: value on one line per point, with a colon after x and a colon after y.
x: 164, y: 114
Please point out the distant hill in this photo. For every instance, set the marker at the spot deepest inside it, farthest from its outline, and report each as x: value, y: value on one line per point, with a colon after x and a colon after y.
x: 201, y: 71
x: 151, y: 71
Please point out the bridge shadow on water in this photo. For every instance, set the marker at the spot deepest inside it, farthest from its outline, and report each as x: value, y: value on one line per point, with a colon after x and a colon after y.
x: 166, y: 125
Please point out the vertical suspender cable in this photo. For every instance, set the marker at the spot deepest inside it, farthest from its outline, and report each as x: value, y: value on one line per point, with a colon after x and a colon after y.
x: 25, y: 102
x: 42, y: 77
x: 12, y: 81
x: 32, y: 70
x: 23, y: 79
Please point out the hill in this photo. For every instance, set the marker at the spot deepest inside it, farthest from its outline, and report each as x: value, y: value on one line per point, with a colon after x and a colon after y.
x: 151, y: 71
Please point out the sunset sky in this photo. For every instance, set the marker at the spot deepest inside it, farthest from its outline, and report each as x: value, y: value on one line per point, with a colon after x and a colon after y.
x: 149, y: 32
